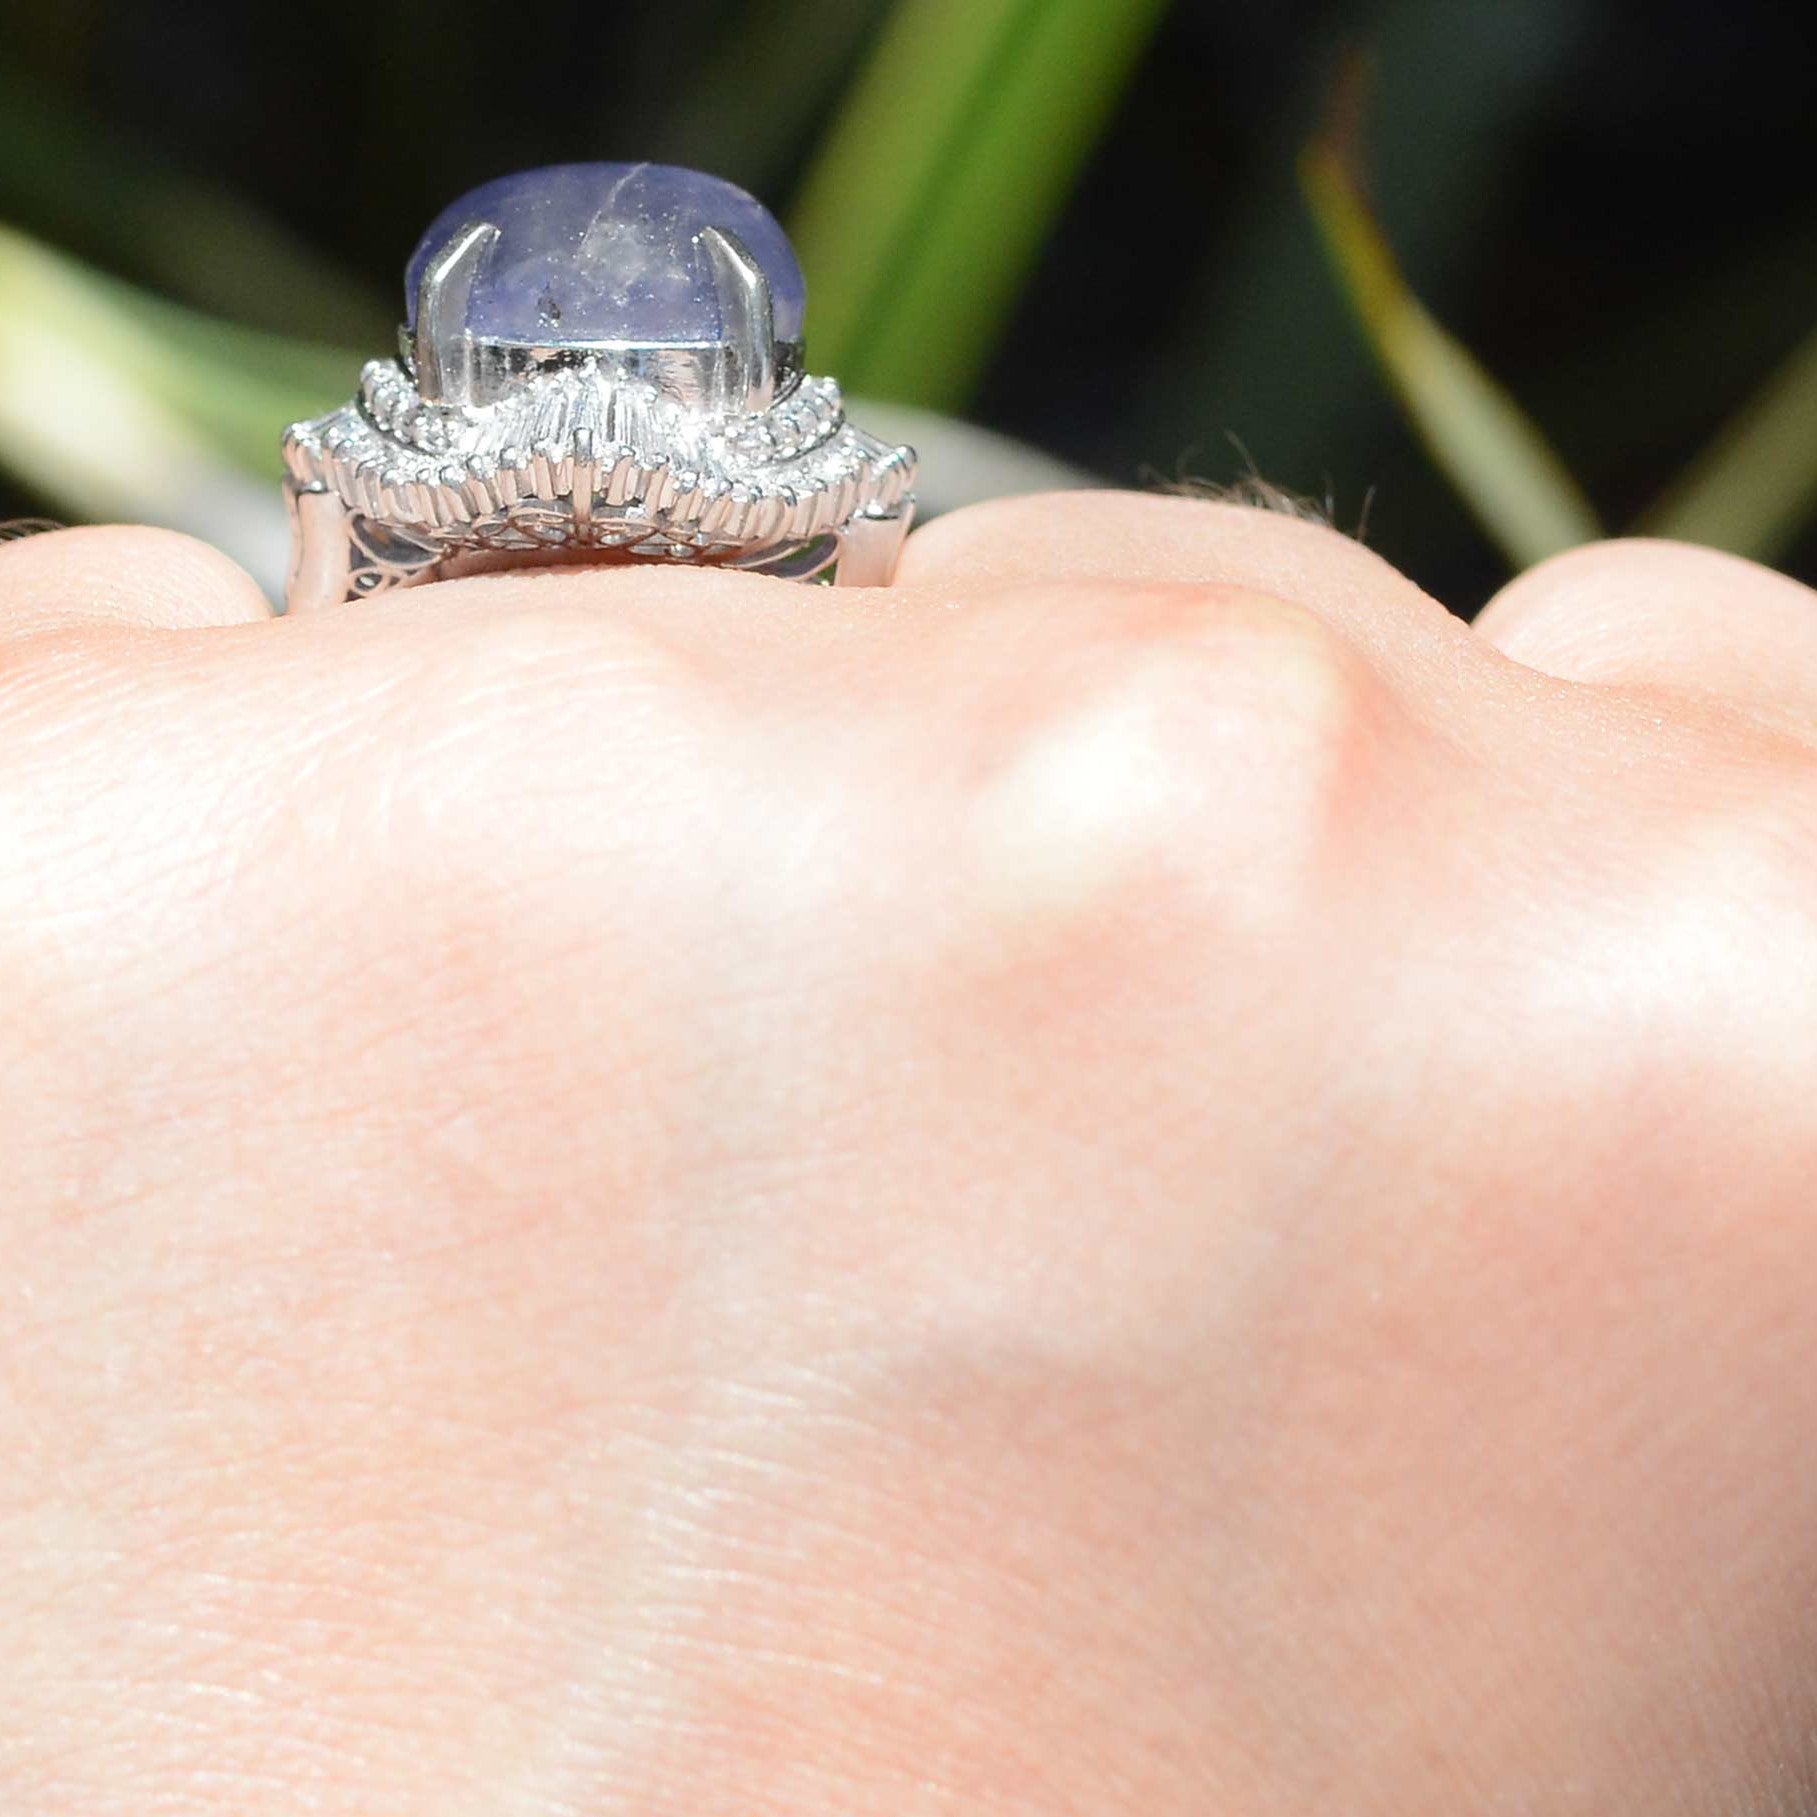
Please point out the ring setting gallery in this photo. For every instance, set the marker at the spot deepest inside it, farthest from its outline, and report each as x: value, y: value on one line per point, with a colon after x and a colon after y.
x: 600, y: 362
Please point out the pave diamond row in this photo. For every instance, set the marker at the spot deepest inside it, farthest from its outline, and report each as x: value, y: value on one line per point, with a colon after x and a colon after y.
x: 552, y: 409
x: 706, y: 489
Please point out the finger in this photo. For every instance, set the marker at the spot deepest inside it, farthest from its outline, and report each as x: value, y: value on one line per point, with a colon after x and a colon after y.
x: 121, y: 575
x: 1664, y: 615
x: 1130, y: 536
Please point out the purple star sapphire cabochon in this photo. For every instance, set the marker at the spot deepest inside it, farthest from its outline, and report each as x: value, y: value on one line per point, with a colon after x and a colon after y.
x: 609, y: 253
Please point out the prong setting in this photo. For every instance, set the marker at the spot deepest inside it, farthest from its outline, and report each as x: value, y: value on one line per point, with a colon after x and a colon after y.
x: 445, y: 363
x: 750, y: 322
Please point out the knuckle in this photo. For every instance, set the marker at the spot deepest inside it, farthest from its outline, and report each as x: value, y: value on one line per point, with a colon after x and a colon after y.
x: 548, y: 689
x: 1200, y: 752
x: 1710, y: 943
x: 1757, y: 849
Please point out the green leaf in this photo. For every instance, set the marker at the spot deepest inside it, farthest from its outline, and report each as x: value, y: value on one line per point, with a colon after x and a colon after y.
x: 113, y: 403
x: 1480, y: 439
x: 1754, y: 488
x: 943, y: 171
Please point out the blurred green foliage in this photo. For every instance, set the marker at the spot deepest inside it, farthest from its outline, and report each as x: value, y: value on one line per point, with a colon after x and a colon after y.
x: 75, y: 345
x: 941, y: 176
x: 1479, y: 437
x: 1754, y: 489
x: 1750, y: 492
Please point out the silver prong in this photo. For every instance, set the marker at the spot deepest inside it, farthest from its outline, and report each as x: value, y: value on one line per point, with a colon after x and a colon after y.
x: 452, y: 506
x: 585, y: 477
x: 369, y: 480
x: 765, y: 520
x: 511, y: 463
x: 482, y: 490
x: 659, y: 486
x: 750, y: 322
x: 715, y: 506
x: 303, y: 455
x: 444, y: 348
x: 685, y: 501
x: 619, y: 470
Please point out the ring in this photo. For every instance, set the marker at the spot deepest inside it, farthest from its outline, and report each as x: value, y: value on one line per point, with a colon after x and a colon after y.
x: 599, y: 362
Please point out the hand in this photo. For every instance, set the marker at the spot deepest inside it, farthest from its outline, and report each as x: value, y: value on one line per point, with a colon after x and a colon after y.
x: 1140, y: 1176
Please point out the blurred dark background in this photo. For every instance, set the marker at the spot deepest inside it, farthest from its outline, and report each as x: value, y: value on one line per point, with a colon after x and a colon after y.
x: 1610, y: 202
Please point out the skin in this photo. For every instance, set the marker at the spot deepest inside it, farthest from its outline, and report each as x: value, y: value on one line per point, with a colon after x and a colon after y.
x: 1139, y: 1176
